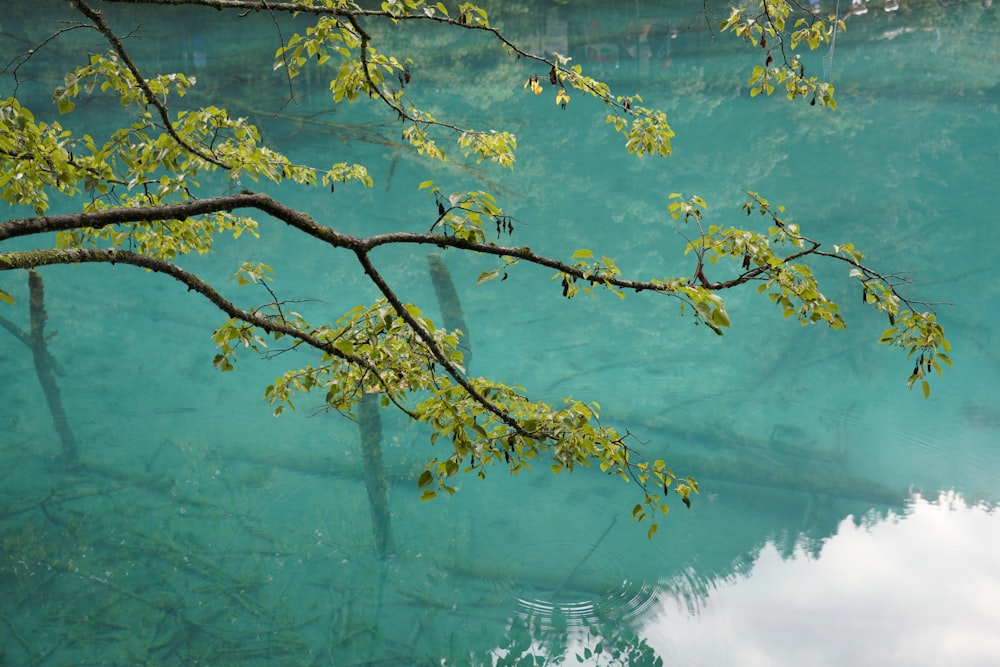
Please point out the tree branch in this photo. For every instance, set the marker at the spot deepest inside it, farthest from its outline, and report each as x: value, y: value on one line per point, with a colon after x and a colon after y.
x: 25, y: 56
x: 35, y: 258
x: 439, y: 356
x: 160, y: 107
x: 351, y: 16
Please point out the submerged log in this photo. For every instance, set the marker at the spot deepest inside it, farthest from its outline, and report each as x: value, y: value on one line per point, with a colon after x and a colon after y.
x: 26, y: 339
x: 799, y: 479
x: 43, y: 366
x: 451, y: 307
x: 370, y: 423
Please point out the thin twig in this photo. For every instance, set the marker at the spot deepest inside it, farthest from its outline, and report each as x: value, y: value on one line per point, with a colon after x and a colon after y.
x: 160, y: 107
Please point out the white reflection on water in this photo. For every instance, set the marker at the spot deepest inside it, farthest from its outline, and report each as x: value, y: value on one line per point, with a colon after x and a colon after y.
x: 917, y: 589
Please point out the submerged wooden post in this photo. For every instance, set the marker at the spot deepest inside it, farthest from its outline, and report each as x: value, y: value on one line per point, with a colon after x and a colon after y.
x: 451, y: 307
x: 43, y: 366
x: 370, y: 423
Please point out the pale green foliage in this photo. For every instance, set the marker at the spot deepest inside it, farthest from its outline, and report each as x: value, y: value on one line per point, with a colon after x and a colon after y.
x: 649, y: 133
x: 373, y: 350
x: 602, y: 272
x: 566, y: 436
x: 331, y: 4
x: 329, y: 35
x: 646, y: 130
x: 364, y: 72
x: 153, y: 166
x: 792, y: 286
x: 499, y: 147
x: 767, y: 30
x: 251, y: 273
x: 110, y: 73
x: 165, y: 239
x: 919, y: 333
x: 468, y: 14
x: 796, y: 291
x: 37, y: 157
x: 465, y: 213
x: 157, y: 157
x: 135, y: 153
x: 343, y: 172
x: 232, y: 336
x: 419, y: 138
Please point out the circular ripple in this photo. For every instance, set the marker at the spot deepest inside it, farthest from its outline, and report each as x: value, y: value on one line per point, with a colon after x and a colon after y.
x: 576, y: 584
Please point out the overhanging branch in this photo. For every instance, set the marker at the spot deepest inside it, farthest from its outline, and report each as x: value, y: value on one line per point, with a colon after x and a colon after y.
x: 35, y: 258
x: 160, y: 107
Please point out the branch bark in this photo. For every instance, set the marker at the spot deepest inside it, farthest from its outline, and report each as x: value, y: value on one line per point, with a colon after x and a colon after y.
x: 140, y: 80
x: 35, y: 258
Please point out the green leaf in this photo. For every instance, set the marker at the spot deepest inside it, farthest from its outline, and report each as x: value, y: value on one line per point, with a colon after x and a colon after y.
x: 428, y: 494
x: 426, y: 477
x: 487, y: 276
x: 4, y: 296
x: 720, y: 317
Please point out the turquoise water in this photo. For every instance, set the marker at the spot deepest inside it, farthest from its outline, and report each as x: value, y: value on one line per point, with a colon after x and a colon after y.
x: 842, y: 519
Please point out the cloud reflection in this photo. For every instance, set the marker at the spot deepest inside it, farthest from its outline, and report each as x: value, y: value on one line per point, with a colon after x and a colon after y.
x: 918, y: 589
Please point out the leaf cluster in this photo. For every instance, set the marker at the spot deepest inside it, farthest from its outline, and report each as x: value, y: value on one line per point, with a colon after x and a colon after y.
x: 768, y: 30
x: 151, y: 168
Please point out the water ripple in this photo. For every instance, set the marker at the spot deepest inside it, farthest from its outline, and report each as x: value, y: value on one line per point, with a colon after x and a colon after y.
x: 590, y: 586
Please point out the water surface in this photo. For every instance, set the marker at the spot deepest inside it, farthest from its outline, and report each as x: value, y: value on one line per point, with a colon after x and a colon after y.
x: 842, y: 519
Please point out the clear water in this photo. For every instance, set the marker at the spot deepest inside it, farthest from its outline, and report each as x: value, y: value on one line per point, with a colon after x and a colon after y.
x: 842, y: 519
